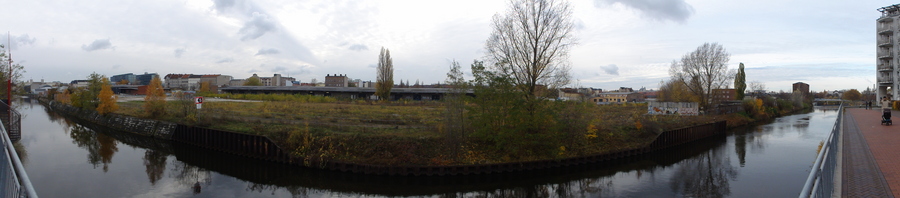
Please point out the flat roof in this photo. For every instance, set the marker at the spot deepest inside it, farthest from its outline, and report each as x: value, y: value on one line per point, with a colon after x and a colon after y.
x: 335, y: 89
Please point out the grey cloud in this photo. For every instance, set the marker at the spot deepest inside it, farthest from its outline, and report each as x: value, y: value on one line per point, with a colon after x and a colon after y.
x: 258, y: 26
x: 254, y: 71
x: 17, y: 41
x: 266, y: 51
x: 225, y: 60
x: 179, y: 52
x: 358, y: 47
x: 221, y: 5
x: 116, y: 66
x: 611, y: 69
x: 373, y: 66
x: 98, y: 44
x: 674, y: 10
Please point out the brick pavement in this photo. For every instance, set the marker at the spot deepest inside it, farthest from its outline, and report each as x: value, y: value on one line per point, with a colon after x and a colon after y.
x: 871, y: 155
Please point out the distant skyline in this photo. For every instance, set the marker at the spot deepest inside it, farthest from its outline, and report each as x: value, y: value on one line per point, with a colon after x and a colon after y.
x: 622, y: 43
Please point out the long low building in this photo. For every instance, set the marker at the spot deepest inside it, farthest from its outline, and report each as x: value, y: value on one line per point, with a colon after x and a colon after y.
x: 345, y: 92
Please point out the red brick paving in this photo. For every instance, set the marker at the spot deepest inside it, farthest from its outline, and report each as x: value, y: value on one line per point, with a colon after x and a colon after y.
x: 861, y: 177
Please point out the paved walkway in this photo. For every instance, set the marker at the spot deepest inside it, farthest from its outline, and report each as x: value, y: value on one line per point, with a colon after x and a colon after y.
x: 870, y: 155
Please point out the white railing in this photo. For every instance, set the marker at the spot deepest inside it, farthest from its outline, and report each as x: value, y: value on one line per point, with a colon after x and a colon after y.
x: 14, y: 182
x: 820, y: 182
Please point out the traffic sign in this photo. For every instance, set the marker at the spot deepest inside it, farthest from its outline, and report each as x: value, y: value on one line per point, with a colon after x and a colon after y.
x: 198, y: 100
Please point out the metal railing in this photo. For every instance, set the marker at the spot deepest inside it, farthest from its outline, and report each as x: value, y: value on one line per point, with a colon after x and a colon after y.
x: 14, y: 182
x: 820, y: 182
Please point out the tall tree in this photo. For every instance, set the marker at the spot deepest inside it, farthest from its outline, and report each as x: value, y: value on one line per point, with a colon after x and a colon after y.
x: 703, y: 70
x: 385, y: 75
x: 530, y: 44
x: 204, y: 87
x: 740, y: 82
x: 87, y: 97
x: 107, y: 99
x: 155, y: 101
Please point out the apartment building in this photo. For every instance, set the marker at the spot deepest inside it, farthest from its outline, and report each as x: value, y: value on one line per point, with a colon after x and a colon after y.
x: 888, y: 52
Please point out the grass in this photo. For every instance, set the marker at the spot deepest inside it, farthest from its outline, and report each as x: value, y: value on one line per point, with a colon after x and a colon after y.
x: 401, y: 132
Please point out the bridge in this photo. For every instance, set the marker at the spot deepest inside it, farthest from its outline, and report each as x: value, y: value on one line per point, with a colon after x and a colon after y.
x: 860, y: 158
x: 14, y: 182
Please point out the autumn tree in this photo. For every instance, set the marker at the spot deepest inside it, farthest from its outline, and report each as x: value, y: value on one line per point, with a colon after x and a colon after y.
x: 384, y: 80
x: 703, y: 70
x: 454, y: 125
x: 253, y: 81
x: 107, y: 99
x: 204, y: 87
x: 530, y: 44
x: 155, y: 101
x: 673, y: 91
x: 16, y: 71
x: 87, y: 97
x: 740, y: 82
x: 852, y: 95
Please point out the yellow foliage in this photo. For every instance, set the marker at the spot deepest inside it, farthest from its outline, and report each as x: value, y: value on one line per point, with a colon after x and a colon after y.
x: 155, y: 101
x: 638, y: 125
x: 562, y: 150
x: 591, y: 132
x: 64, y: 97
x: 107, y: 99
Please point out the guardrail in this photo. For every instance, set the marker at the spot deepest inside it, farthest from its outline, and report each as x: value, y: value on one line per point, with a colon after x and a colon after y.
x: 820, y: 182
x: 14, y: 182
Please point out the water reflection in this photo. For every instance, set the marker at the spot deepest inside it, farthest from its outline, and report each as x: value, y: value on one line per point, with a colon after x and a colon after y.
x: 699, y: 169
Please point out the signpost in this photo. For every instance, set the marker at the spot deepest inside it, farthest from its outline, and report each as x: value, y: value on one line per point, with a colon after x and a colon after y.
x: 199, y: 101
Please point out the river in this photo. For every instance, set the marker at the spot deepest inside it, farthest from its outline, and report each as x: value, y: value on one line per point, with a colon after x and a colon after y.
x: 67, y: 159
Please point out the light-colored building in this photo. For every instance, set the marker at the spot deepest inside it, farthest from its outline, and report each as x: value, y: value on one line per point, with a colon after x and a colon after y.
x: 617, y: 97
x: 276, y: 80
x: 887, y: 67
x: 186, y: 82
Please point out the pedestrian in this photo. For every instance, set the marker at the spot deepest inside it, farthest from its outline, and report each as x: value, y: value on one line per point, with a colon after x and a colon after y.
x: 885, y: 108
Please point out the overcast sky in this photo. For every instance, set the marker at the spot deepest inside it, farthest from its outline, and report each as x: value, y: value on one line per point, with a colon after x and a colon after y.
x: 829, y: 44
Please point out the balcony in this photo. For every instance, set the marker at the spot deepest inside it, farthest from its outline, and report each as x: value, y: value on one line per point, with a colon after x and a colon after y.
x: 882, y: 68
x: 885, y: 19
x: 885, y: 44
x: 885, y: 31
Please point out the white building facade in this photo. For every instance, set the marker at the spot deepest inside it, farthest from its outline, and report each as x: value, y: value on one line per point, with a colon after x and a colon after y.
x: 888, y: 52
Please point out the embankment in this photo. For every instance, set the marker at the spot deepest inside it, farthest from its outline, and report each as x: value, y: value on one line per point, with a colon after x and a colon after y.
x: 261, y: 147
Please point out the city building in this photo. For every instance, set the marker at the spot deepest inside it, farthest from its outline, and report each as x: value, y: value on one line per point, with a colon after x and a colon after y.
x: 724, y: 94
x: 887, y: 67
x: 186, y: 82
x: 276, y: 80
x: 132, y: 79
x: 801, y: 87
x: 337, y: 80
x: 617, y: 97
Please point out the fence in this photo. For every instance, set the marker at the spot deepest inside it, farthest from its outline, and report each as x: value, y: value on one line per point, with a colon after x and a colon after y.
x: 820, y: 182
x: 14, y: 181
x: 12, y: 121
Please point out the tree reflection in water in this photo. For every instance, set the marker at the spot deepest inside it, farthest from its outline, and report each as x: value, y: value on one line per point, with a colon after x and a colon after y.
x: 155, y: 163
x: 100, y: 147
x: 706, y: 175
x: 189, y: 176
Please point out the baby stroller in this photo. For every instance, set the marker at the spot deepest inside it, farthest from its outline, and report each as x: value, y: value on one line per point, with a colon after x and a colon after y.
x: 886, y: 117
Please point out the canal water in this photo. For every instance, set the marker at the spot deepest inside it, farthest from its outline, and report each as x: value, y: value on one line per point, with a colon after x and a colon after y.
x: 68, y: 159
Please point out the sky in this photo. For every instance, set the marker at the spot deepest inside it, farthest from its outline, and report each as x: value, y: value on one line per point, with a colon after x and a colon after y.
x: 828, y: 44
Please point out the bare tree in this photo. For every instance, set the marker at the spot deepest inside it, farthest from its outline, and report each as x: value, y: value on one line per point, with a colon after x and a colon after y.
x: 531, y: 42
x: 757, y: 86
x: 702, y: 71
x: 385, y: 79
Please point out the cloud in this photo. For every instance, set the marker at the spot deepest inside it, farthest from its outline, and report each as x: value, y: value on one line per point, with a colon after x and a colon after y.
x: 221, y: 5
x: 99, y: 44
x: 258, y: 26
x: 179, y: 52
x: 225, y: 60
x: 266, y: 51
x: 674, y: 10
x: 358, y: 47
x: 611, y: 69
x: 116, y: 66
x: 16, y: 41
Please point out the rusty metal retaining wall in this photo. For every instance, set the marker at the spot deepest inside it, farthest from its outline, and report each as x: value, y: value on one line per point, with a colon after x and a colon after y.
x: 261, y: 147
